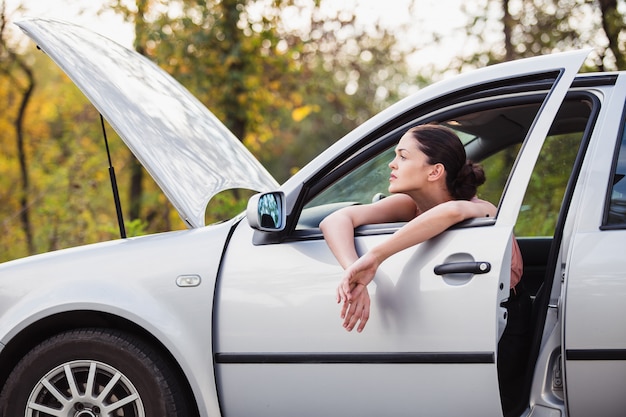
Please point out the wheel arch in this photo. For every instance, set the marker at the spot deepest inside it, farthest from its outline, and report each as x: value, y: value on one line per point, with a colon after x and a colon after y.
x: 49, y: 326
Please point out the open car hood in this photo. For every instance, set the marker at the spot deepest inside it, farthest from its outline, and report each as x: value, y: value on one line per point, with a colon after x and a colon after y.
x: 190, y: 154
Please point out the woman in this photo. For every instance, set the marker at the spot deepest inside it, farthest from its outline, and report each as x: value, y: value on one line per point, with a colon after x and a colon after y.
x: 434, y: 187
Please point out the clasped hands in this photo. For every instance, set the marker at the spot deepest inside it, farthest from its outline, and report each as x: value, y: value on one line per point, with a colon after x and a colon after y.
x: 352, y: 292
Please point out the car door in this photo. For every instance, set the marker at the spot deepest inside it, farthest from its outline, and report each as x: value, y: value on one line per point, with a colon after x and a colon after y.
x: 594, y: 331
x: 430, y: 345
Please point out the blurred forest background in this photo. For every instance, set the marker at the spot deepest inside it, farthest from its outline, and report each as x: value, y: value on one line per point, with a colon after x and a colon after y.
x: 287, y: 91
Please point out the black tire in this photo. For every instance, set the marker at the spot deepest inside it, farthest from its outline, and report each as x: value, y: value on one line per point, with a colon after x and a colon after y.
x: 128, y: 378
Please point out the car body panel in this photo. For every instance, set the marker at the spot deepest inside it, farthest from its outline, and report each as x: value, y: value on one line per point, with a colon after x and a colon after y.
x: 131, y: 284
x: 190, y: 154
x: 594, y: 339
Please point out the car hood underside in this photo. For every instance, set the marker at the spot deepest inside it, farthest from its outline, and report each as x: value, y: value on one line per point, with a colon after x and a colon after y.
x: 190, y: 154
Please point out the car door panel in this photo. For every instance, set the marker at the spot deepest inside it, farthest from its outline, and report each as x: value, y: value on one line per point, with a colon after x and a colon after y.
x: 426, y: 335
x: 406, y: 287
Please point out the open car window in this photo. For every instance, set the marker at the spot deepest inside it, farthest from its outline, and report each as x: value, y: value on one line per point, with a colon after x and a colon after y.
x: 493, y: 136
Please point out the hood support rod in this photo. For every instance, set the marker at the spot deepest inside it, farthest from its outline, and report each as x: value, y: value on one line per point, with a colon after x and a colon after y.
x: 116, y: 194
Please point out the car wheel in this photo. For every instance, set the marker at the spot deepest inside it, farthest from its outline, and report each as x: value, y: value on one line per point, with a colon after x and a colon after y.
x: 92, y: 373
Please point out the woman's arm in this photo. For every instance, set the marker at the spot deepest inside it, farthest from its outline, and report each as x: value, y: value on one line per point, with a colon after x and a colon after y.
x: 427, y: 225
x: 338, y: 227
x: 430, y: 224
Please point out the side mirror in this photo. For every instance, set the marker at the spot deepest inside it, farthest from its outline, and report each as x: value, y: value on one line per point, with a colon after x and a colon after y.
x: 266, y: 211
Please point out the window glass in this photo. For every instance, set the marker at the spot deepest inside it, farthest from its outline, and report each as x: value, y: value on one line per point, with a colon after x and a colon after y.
x: 497, y: 168
x: 363, y: 185
x: 617, y: 205
x: 544, y: 195
x: 360, y: 185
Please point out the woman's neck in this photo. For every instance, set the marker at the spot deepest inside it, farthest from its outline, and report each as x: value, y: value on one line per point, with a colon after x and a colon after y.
x: 427, y: 200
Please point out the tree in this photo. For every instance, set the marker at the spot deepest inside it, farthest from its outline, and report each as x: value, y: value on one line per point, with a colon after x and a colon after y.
x: 53, y: 170
x: 511, y: 29
x: 613, y: 26
x: 20, y: 78
x: 350, y: 72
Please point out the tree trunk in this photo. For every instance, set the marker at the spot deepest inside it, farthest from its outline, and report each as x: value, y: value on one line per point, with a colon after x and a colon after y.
x: 19, y: 129
x: 612, y: 23
x: 233, y: 54
x: 508, y: 24
x: 18, y: 123
x: 135, y: 194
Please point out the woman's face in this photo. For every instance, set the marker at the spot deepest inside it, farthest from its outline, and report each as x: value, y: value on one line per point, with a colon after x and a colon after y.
x: 410, y: 169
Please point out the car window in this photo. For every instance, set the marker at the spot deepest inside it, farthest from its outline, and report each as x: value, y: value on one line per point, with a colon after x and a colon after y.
x: 616, y: 213
x: 360, y: 186
x: 544, y: 196
x: 369, y: 181
x: 493, y: 136
x: 497, y: 168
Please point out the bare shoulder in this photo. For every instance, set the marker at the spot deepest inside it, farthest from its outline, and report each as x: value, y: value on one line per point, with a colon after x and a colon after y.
x: 484, y: 206
x: 400, y: 207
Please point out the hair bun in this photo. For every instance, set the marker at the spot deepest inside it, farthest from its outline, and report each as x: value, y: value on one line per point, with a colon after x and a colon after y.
x: 469, y: 178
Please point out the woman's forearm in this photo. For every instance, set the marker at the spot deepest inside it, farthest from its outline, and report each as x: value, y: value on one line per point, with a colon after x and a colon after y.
x: 338, y: 231
x: 425, y: 226
x: 338, y: 227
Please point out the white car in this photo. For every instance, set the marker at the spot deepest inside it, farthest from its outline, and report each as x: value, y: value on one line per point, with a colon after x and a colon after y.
x: 240, y: 318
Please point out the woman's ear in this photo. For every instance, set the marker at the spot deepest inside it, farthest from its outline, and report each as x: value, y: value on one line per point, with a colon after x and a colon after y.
x: 437, y: 171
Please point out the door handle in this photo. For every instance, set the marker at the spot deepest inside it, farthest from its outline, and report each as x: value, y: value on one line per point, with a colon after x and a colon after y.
x: 463, y: 268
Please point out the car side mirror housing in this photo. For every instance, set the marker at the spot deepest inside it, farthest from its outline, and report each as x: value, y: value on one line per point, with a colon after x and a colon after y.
x: 266, y: 211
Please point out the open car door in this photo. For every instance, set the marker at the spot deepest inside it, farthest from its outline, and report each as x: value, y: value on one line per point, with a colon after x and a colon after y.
x: 430, y: 346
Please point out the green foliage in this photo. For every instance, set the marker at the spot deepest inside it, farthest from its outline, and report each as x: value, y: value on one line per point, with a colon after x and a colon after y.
x: 503, y: 30
x: 135, y: 227
x: 543, y: 198
x: 497, y: 169
x: 227, y: 204
x: 544, y: 195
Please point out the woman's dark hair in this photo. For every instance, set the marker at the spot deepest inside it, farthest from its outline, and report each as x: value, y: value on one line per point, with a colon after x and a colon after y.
x: 442, y: 146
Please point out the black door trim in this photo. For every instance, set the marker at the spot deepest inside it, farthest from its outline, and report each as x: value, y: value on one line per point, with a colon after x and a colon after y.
x: 595, y: 354
x: 358, y: 358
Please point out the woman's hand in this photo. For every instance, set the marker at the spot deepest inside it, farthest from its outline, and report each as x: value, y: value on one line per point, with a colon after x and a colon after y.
x: 352, y: 291
x: 356, y: 277
x: 356, y: 311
